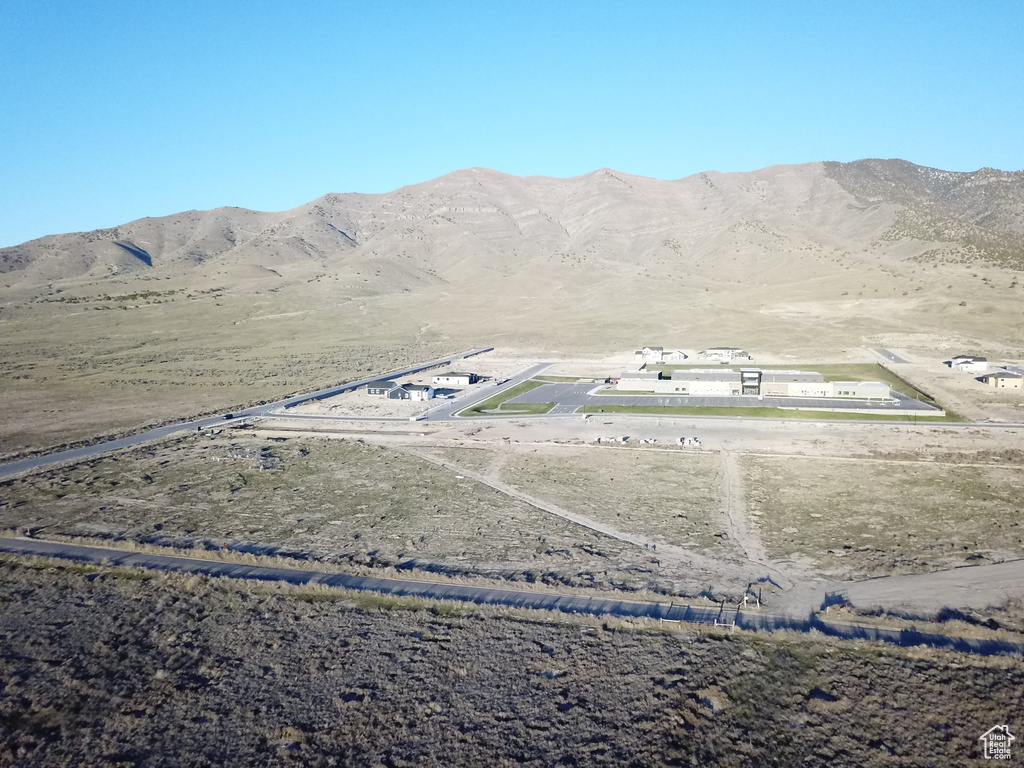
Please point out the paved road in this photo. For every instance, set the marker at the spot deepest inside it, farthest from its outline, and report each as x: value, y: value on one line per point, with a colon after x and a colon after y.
x: 448, y: 409
x: 261, y: 410
x: 890, y: 357
x: 565, y: 603
x: 577, y: 395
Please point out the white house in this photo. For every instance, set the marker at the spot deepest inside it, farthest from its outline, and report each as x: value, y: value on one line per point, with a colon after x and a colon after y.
x: 454, y: 379
x: 724, y: 354
x: 971, y: 363
x: 650, y: 354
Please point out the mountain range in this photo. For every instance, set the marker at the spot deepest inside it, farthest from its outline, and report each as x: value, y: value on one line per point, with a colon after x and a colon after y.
x: 477, y: 223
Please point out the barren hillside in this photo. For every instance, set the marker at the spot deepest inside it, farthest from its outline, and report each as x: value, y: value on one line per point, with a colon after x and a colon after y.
x: 747, y: 227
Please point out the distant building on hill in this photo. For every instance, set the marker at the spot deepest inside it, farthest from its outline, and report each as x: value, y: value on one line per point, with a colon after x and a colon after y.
x: 650, y: 354
x: 658, y: 355
x: 724, y: 354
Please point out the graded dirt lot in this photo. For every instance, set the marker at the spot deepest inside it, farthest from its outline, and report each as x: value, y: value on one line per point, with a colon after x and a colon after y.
x: 858, y: 518
x: 670, y: 496
x: 120, y: 667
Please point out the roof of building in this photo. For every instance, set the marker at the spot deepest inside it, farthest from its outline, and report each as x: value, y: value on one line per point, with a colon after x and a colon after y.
x: 1003, y: 375
x: 723, y: 349
x: 793, y: 376
x: 968, y: 358
x: 655, y: 349
x: 453, y: 373
x: 706, y: 374
x: 641, y: 375
x: 382, y: 383
x: 416, y: 387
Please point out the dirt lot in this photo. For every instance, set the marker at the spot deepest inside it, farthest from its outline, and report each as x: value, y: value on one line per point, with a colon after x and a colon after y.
x: 671, y: 496
x: 342, y: 500
x: 117, y: 668
x: 862, y: 518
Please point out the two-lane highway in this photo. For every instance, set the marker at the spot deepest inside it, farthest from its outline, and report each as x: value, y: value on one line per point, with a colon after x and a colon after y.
x: 75, y: 454
x: 890, y: 357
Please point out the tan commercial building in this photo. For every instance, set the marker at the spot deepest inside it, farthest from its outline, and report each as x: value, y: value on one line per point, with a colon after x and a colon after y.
x: 861, y: 390
x: 792, y: 384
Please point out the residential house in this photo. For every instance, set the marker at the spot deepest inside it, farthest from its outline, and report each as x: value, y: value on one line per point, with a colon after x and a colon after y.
x: 1003, y: 380
x: 412, y: 392
x: 971, y: 363
x: 380, y: 388
x: 724, y: 354
x: 454, y: 379
x: 650, y: 354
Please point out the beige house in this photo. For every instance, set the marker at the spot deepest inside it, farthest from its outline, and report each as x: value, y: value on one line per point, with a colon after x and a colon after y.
x: 1003, y: 380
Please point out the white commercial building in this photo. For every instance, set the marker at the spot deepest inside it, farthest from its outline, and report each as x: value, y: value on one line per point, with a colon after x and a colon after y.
x: 716, y: 382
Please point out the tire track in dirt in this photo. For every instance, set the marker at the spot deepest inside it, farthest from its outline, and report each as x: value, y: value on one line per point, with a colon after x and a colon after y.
x: 727, y: 572
x: 742, y: 529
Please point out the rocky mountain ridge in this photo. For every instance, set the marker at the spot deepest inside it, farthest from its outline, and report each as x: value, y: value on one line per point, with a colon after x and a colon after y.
x: 478, y: 223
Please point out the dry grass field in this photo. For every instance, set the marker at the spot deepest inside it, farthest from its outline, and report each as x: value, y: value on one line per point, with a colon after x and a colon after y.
x: 674, y: 497
x: 336, y: 500
x: 117, y: 667
x: 860, y: 518
x: 70, y: 374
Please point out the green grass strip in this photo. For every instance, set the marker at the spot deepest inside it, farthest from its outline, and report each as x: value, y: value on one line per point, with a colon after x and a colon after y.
x: 764, y: 413
x: 496, y: 403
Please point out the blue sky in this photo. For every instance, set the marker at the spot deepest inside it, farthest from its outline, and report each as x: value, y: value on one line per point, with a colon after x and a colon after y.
x: 110, y: 111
